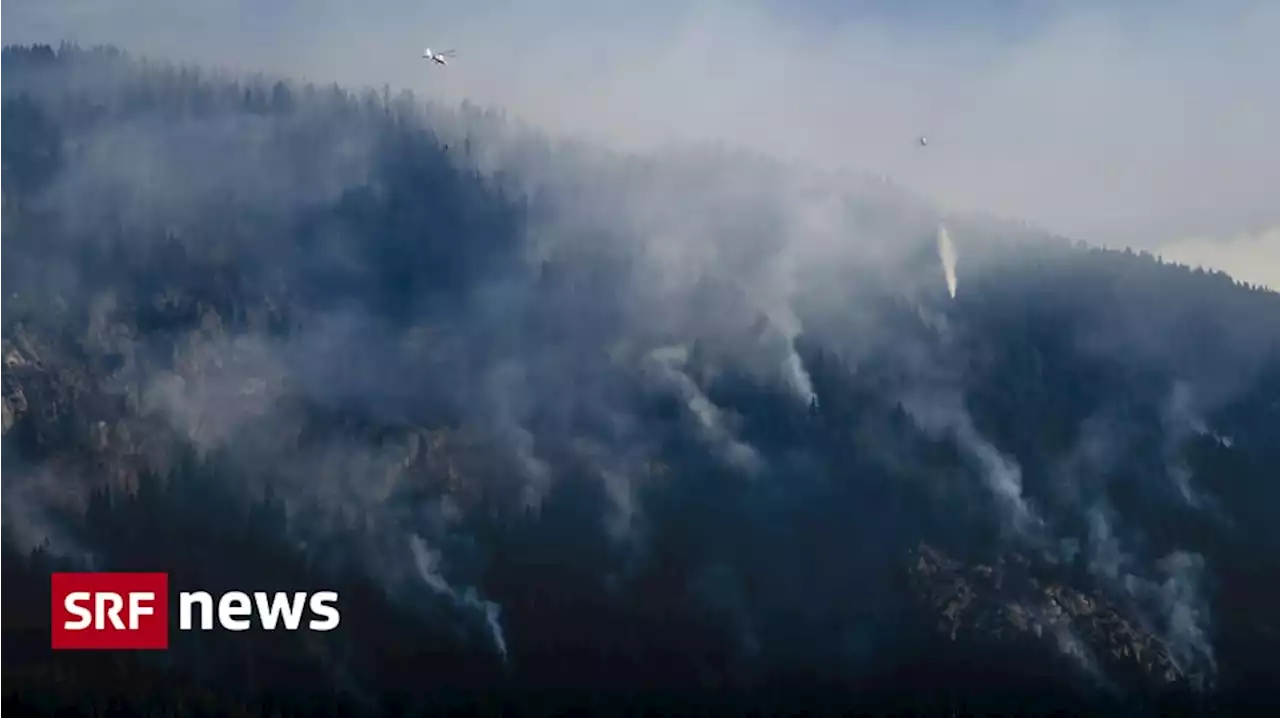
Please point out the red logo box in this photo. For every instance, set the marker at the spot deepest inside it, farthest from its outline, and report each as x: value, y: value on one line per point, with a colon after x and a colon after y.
x: 110, y: 611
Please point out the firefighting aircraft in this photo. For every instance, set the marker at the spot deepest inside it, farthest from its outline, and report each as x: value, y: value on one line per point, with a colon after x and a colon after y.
x: 439, y: 58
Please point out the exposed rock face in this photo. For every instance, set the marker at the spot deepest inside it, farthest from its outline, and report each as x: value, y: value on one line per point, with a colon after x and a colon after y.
x: 14, y: 401
x: 1005, y: 602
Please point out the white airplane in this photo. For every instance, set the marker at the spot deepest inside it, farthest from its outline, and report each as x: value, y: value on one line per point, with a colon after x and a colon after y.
x: 924, y: 141
x: 438, y: 57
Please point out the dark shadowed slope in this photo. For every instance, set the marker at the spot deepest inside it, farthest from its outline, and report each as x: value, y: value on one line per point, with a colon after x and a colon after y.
x: 571, y: 429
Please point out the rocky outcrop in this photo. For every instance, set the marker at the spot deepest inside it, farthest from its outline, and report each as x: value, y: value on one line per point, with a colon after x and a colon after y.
x: 1006, y: 601
x: 16, y: 364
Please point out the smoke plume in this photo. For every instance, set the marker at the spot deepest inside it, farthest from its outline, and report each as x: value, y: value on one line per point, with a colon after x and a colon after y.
x: 947, y: 256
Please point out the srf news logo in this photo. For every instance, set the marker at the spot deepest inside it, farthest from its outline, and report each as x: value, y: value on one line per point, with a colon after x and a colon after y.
x: 130, y: 611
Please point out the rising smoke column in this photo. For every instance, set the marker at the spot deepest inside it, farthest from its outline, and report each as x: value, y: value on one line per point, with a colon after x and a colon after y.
x: 947, y: 255
x: 427, y: 562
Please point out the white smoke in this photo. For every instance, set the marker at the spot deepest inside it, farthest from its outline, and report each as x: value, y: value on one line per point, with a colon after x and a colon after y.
x: 1182, y: 422
x: 947, y: 255
x: 798, y: 378
x: 784, y: 321
x: 427, y: 562
x: 668, y: 364
x: 619, y: 476
x: 1185, y: 609
x: 507, y: 384
x: 1174, y: 607
x: 26, y: 510
x: 779, y: 307
x: 1166, y: 598
x: 1001, y: 473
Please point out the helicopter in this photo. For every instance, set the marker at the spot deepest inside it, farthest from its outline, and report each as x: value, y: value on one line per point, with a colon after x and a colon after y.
x: 440, y: 58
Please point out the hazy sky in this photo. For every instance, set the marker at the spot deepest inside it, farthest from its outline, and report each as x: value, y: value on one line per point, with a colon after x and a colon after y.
x: 1148, y: 123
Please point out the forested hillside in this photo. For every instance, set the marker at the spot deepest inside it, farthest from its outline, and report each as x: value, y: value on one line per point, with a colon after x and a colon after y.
x: 567, y: 428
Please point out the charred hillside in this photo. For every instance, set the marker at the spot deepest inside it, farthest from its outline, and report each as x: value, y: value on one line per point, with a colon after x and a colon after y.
x: 571, y: 429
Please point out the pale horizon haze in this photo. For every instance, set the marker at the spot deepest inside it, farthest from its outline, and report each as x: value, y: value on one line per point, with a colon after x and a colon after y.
x: 1144, y: 124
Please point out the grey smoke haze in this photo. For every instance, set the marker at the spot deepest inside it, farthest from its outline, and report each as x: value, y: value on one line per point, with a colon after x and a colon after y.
x: 1166, y: 594
x: 1142, y: 124
x: 727, y: 248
